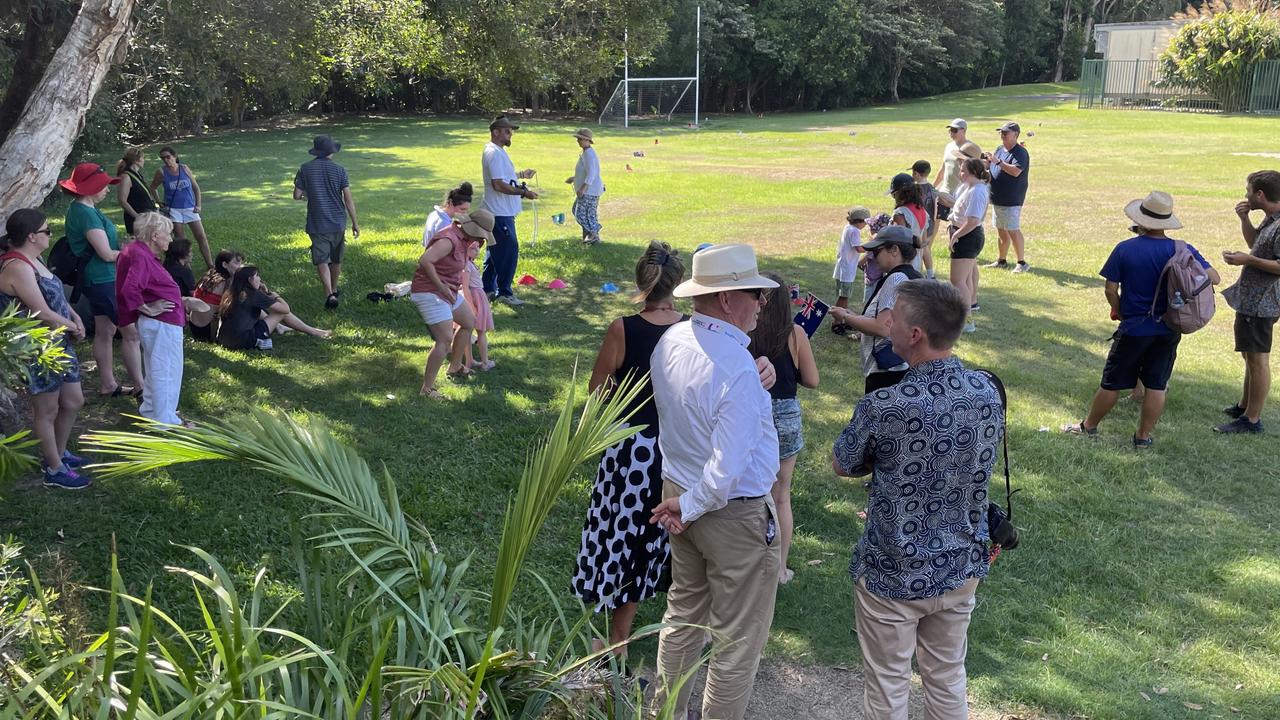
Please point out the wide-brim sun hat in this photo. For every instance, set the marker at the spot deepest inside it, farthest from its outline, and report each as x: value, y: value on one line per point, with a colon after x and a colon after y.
x: 723, y: 267
x: 503, y: 122
x: 1154, y: 212
x: 324, y: 145
x: 87, y: 179
x: 478, y: 224
x: 585, y: 134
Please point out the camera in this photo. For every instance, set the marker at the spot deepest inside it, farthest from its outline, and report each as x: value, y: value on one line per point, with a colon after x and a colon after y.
x: 1002, y: 532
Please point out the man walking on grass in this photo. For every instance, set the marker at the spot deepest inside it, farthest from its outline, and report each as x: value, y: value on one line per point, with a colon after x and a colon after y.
x: 323, y: 184
x: 1009, y: 166
x: 1255, y: 298
x: 926, y: 544
x: 503, y: 192
x: 719, y: 462
x: 1143, y: 348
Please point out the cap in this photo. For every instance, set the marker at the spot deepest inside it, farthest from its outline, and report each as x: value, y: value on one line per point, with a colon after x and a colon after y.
x: 1009, y: 126
x: 858, y: 212
x: 958, y: 124
x: 891, y: 235
x: 901, y: 181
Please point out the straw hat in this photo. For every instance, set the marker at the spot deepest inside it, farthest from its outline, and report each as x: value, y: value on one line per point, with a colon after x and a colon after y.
x: 478, y: 224
x: 1154, y: 212
x: 723, y: 267
x: 585, y: 134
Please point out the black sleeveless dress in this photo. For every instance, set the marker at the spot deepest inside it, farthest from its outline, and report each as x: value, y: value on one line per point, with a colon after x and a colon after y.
x: 140, y: 199
x: 623, y: 558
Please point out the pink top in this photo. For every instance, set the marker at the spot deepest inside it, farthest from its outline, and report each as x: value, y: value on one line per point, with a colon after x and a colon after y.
x: 450, y: 267
x: 473, y: 277
x: 141, y: 279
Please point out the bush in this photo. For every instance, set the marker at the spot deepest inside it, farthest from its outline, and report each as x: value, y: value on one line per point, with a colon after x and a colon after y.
x: 1215, y: 54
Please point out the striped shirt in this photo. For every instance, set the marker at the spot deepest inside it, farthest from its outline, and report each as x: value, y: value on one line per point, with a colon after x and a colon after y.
x: 322, y: 181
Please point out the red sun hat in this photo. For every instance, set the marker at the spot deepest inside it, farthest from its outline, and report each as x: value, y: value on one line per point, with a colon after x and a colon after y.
x: 87, y: 179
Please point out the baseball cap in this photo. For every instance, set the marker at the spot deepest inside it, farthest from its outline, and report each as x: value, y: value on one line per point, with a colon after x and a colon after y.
x: 901, y: 181
x: 893, y: 234
x: 1009, y: 126
x: 958, y: 124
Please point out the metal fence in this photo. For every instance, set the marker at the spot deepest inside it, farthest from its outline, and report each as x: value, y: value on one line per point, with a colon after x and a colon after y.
x: 1140, y: 85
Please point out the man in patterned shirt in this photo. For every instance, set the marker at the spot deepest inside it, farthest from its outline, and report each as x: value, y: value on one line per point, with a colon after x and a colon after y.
x: 929, y: 443
x: 1255, y: 298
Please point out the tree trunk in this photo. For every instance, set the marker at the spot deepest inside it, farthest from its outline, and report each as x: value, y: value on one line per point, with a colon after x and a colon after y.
x: 41, y: 35
x: 898, y: 64
x: 752, y: 85
x: 38, y: 145
x: 1062, y: 41
x: 1088, y: 28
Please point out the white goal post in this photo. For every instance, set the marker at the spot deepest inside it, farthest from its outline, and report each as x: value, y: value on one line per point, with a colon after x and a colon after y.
x: 655, y: 97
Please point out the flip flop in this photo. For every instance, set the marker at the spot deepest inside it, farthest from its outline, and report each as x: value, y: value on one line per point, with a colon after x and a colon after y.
x: 122, y: 390
x: 459, y: 375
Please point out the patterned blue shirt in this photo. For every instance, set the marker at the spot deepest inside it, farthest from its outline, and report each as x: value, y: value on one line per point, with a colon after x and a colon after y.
x: 930, y: 442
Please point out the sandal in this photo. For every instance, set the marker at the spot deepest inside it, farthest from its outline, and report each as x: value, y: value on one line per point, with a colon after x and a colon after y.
x: 1139, y: 444
x: 458, y: 375
x: 1079, y: 429
x: 432, y: 394
x: 122, y: 390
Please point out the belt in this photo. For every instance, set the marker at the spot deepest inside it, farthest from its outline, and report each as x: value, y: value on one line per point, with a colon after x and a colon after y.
x: 740, y: 499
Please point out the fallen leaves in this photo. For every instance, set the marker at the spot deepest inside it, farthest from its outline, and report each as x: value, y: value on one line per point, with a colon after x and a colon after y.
x: 1145, y: 696
x: 1192, y: 706
x: 814, y: 563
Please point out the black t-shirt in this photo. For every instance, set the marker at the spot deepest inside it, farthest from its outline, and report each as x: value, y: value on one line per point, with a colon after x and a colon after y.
x: 182, y: 275
x: 1007, y: 190
x: 237, y: 329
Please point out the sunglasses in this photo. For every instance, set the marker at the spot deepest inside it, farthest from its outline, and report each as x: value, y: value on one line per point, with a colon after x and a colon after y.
x: 756, y: 293
x: 953, y: 130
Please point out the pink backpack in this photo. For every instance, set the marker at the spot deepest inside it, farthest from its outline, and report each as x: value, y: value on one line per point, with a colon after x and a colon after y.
x: 1188, y: 292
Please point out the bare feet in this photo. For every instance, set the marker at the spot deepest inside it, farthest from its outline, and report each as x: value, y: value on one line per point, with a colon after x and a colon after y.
x: 323, y: 334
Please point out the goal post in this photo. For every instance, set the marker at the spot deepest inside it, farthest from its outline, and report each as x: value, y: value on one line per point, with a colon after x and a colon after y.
x: 655, y: 98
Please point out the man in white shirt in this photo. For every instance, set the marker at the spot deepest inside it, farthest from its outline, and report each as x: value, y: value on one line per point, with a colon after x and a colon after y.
x: 720, y: 460
x: 503, y: 192
x: 960, y: 147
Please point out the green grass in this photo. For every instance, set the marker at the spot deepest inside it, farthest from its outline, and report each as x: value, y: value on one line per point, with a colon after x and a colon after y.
x: 1137, y: 572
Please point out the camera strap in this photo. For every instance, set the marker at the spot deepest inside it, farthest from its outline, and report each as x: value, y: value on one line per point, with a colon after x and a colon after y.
x: 1004, y: 403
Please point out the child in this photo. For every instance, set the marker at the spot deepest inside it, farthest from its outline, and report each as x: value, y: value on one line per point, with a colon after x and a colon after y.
x: 177, y: 260
x: 482, y: 310
x: 920, y: 173
x: 846, y: 270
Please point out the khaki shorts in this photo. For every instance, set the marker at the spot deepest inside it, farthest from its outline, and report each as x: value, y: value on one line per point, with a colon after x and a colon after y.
x: 1008, y: 217
x: 327, y: 247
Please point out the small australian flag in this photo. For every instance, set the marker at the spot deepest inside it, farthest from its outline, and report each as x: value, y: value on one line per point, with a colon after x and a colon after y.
x: 812, y: 312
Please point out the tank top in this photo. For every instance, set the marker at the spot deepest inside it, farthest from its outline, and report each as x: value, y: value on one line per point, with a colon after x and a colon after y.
x: 449, y: 268
x: 784, y: 366
x: 177, y: 189
x: 50, y: 287
x: 140, y: 198
x: 641, y: 337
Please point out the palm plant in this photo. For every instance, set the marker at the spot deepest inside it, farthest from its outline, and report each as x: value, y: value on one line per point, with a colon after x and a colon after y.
x: 388, y: 624
x: 23, y: 341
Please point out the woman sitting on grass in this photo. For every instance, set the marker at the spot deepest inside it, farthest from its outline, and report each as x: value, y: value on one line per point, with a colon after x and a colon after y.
x: 250, y: 314
x: 210, y: 289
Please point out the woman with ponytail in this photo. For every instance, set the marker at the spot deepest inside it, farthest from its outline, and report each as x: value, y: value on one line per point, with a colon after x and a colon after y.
x: 623, y: 558
x: 967, y: 236
x: 456, y: 203
x: 133, y: 194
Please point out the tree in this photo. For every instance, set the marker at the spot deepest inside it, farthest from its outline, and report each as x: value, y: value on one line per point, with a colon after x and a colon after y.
x: 1215, y: 52
x: 35, y: 148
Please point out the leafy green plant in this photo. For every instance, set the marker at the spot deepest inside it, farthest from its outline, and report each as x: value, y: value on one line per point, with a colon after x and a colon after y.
x: 1214, y: 53
x: 387, y: 625
x: 24, y: 341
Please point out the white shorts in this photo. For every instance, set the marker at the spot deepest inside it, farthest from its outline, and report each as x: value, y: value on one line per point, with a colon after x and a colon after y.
x: 433, y: 308
x: 183, y: 215
x: 1008, y: 217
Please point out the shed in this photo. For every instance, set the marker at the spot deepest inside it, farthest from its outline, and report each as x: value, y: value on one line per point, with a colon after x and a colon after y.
x: 1134, y: 40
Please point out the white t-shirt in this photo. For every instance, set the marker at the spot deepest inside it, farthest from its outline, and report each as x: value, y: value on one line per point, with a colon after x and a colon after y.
x: 882, y: 301
x: 971, y: 202
x: 436, y: 221
x: 847, y: 255
x: 588, y: 172
x: 497, y: 166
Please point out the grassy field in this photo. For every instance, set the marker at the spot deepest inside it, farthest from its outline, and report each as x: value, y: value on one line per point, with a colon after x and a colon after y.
x: 1147, y: 586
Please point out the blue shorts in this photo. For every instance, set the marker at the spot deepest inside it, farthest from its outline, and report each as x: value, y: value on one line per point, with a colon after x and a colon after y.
x: 102, y: 299
x: 786, y: 420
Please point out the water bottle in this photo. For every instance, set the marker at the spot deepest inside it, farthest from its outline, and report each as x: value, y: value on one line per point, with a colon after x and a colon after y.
x: 1177, y: 299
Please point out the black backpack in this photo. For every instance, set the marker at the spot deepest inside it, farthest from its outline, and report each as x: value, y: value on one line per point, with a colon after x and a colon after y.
x: 67, y: 266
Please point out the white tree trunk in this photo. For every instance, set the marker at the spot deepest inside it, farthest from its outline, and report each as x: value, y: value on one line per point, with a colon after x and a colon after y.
x: 39, y: 144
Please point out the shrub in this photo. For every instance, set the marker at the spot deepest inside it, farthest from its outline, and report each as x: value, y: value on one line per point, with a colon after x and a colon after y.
x: 1215, y: 52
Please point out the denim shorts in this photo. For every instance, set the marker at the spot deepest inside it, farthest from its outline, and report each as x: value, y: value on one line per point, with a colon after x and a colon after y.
x: 102, y: 299
x: 786, y: 420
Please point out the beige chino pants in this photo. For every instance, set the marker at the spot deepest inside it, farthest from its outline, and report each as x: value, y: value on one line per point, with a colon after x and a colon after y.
x: 724, y: 576
x: 936, y: 630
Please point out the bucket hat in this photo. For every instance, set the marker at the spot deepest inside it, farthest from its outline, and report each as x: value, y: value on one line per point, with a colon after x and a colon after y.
x: 87, y: 179
x: 324, y: 145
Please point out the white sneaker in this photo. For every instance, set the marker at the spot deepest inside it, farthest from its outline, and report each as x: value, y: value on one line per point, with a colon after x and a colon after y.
x: 1021, y: 267
x: 970, y: 327
x: 263, y: 344
x: 511, y: 300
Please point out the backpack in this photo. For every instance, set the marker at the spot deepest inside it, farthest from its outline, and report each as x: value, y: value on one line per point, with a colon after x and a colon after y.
x: 67, y: 266
x: 1188, y: 292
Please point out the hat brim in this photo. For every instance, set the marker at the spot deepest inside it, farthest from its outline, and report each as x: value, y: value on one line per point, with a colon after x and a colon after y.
x: 318, y: 152
x: 873, y: 244
x: 472, y: 230
x: 957, y: 127
x: 693, y: 288
x: 1134, y: 211
x: 86, y: 189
